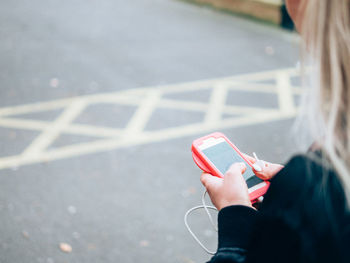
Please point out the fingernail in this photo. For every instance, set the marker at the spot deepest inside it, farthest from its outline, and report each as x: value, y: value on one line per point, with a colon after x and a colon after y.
x: 257, y: 167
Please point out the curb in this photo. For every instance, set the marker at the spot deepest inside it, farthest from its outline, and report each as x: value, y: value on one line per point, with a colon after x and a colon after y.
x: 272, y: 11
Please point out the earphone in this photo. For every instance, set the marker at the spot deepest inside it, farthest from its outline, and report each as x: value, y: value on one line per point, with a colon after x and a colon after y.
x: 206, y: 208
x: 258, y: 166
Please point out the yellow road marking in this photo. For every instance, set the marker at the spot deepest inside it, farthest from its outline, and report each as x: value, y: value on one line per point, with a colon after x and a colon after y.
x: 147, y: 100
x: 216, y: 103
x: 52, y: 132
x: 140, y: 118
x: 285, y: 93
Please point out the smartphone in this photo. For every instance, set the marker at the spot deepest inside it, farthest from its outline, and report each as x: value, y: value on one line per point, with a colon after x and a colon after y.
x: 215, y: 154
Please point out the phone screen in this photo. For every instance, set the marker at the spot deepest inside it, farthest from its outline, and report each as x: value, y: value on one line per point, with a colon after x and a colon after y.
x: 222, y: 155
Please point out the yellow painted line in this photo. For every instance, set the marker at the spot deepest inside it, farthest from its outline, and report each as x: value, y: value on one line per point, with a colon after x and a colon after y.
x: 53, y: 131
x: 182, y: 105
x: 285, y: 93
x: 241, y: 82
x: 253, y: 87
x: 94, y: 131
x: 216, y: 103
x: 140, y: 118
x: 147, y: 100
x: 239, y: 110
x: 265, y: 75
x: 35, y: 107
x: 23, y: 124
x: 147, y: 137
x: 78, y: 129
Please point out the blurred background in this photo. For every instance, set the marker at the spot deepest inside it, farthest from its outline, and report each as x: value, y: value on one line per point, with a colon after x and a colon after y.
x: 99, y: 104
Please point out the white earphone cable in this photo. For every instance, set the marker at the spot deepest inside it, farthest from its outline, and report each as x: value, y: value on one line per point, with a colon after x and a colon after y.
x: 206, y: 208
x: 208, y: 213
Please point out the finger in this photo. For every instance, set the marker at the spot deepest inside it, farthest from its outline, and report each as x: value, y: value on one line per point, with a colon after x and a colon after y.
x: 236, y: 169
x: 265, y: 173
x: 257, y: 168
x: 234, y: 176
x: 262, y: 175
x: 249, y: 158
x: 241, y: 167
x: 209, y: 180
x: 269, y: 171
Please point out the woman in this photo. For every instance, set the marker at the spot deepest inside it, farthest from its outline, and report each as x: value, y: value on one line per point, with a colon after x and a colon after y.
x: 305, y: 214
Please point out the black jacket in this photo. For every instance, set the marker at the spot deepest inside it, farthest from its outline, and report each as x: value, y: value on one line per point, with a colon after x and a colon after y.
x: 303, y: 218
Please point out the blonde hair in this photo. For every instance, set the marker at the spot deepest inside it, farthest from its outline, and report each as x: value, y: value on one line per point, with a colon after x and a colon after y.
x: 325, y: 30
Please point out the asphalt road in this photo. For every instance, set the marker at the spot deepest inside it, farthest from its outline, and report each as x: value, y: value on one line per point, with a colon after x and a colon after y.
x: 98, y: 158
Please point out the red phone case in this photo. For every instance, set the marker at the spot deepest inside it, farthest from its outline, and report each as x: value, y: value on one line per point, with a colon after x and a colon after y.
x: 207, y: 166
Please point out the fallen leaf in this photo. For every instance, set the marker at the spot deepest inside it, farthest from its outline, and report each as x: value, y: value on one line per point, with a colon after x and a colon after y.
x: 65, y: 247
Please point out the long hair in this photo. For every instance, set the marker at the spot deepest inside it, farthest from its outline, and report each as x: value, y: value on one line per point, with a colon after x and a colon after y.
x: 325, y: 31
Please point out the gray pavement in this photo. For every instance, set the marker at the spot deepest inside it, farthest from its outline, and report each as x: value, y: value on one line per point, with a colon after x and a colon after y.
x: 123, y: 200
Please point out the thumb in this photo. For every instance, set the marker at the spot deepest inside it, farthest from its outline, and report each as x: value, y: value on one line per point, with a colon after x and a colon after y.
x: 235, y: 169
x: 209, y: 180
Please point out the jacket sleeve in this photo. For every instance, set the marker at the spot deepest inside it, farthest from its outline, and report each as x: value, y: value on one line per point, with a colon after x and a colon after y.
x: 246, y: 235
x: 235, y: 229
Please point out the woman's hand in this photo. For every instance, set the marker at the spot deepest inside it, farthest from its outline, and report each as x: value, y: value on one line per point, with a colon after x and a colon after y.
x: 268, y: 170
x: 230, y: 190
